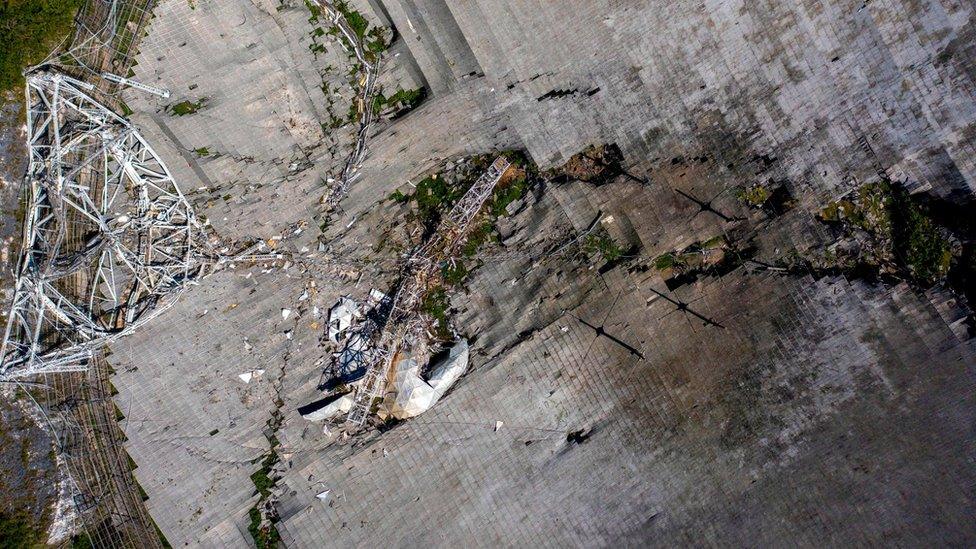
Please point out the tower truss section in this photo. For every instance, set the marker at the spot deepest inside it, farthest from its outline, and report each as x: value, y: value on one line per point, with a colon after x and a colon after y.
x: 107, y: 233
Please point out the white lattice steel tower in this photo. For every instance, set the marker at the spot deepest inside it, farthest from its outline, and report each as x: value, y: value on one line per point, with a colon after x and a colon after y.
x: 107, y: 232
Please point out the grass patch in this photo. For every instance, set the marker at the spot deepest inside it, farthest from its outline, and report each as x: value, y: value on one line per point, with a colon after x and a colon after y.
x: 29, y: 29
x: 356, y: 21
x: 904, y: 237
x: 481, y: 234
x: 454, y: 272
x: 186, y: 107
x: 503, y: 196
x: 754, y: 195
x: 436, y: 304
x: 398, y: 197
x: 17, y: 530
x: 315, y: 10
x: 142, y: 492
x: 402, y: 101
x: 202, y: 151
x: 714, y: 242
x: 919, y: 242
x: 159, y: 534
x: 377, y: 42
x: 666, y: 261
x: 264, y: 537
x: 434, y: 195
x: 261, y: 478
x: 602, y: 245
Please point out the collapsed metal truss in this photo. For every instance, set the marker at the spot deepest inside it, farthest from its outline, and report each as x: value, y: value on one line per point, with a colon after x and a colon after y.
x: 421, y: 267
x: 364, y: 103
x: 107, y: 233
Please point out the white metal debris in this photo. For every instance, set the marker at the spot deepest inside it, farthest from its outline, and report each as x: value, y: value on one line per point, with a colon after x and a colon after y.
x: 338, y: 406
x: 415, y: 395
x: 341, y: 317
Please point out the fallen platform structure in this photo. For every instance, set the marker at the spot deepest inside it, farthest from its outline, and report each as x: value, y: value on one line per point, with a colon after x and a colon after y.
x: 421, y: 267
x: 107, y: 232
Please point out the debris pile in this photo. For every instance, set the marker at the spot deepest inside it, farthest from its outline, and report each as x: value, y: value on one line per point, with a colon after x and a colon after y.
x: 395, y: 331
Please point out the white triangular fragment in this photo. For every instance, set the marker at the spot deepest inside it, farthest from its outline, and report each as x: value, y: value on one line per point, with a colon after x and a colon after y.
x: 323, y: 496
x: 341, y: 316
x: 498, y: 425
x: 285, y: 313
x: 246, y: 377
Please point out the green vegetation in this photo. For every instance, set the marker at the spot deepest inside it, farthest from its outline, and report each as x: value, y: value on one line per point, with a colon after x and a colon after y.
x: 754, y: 195
x: 82, y: 541
x: 433, y: 196
x: 402, y: 101
x: 903, y: 236
x: 142, y: 492
x: 454, y: 272
x: 504, y: 196
x: 838, y: 210
x: 602, y: 245
x: 667, y: 261
x: 202, y: 151
x: 186, y: 107
x: 315, y: 10
x: 377, y: 42
x: 919, y: 242
x: 398, y: 197
x: 436, y: 304
x: 261, y: 478
x: 356, y: 21
x: 29, y: 29
x: 481, y: 234
x: 712, y: 254
x: 520, y: 160
x: 17, y: 531
x: 266, y: 537
x: 714, y: 243
x: 159, y: 534
x: 869, y: 208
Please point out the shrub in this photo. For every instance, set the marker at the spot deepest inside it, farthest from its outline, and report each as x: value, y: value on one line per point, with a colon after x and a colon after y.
x: 29, y: 29
x: 17, y: 531
x: 602, y: 244
x: 919, y: 242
